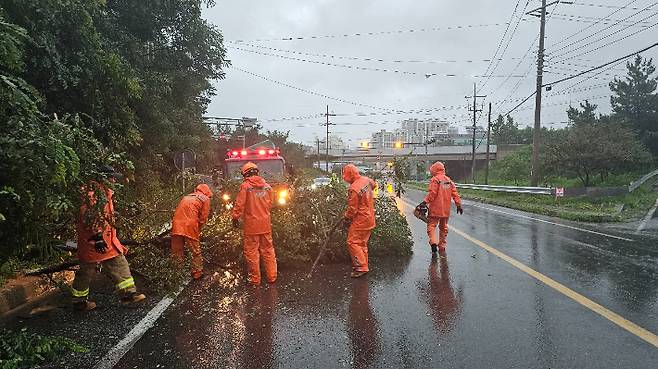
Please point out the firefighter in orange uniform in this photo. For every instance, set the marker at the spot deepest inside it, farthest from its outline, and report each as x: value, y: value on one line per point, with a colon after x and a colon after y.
x: 190, y: 215
x: 359, y: 218
x: 99, y: 248
x: 252, y: 206
x: 441, y: 192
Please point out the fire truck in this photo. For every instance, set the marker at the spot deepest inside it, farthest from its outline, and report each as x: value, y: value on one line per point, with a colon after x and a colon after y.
x: 271, y: 165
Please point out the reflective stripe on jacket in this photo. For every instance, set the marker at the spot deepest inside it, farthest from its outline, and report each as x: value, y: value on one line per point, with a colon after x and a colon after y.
x: 361, y: 204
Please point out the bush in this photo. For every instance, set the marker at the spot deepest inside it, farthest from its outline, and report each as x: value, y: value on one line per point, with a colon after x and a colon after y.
x: 25, y: 350
x: 299, y: 230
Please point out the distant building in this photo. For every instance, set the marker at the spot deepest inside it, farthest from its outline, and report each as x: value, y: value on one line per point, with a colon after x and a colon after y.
x: 383, y: 139
x: 420, y: 131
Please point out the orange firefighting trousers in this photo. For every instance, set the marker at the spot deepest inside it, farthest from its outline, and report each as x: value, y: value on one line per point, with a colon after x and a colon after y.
x: 258, y: 246
x: 357, y: 245
x: 443, y: 231
x: 177, y: 251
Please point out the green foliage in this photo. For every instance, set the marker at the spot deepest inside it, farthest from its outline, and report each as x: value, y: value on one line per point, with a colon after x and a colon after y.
x: 504, y: 130
x: 129, y: 82
x: 300, y: 229
x: 586, y: 116
x: 25, y: 350
x: 590, y: 149
x: 513, y: 169
x: 636, y: 101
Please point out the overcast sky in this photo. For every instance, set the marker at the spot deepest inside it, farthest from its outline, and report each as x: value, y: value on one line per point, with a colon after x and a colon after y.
x: 451, y: 40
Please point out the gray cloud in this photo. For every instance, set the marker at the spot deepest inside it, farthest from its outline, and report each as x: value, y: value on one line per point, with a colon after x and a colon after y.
x: 241, y: 94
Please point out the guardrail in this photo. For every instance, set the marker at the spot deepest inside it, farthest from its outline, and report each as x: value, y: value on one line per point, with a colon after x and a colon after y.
x: 634, y: 186
x: 511, y: 189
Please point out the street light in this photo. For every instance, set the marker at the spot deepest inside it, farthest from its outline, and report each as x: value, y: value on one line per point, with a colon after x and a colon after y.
x: 365, y: 144
x: 398, y: 145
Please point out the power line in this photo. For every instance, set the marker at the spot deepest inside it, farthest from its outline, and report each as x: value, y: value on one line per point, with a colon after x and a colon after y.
x: 502, y: 39
x: 345, y: 66
x: 364, y: 59
x: 606, y: 28
x: 603, y: 6
x: 305, y: 90
x: 585, y: 72
x: 608, y: 44
x: 377, y: 33
x: 356, y: 67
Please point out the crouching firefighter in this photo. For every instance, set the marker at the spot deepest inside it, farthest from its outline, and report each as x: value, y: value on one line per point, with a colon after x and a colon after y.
x: 359, y: 218
x: 441, y: 192
x: 99, y: 249
x: 190, y: 215
x: 252, y: 205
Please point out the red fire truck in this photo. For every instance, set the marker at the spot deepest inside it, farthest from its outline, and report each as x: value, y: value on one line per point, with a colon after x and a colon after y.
x: 271, y: 165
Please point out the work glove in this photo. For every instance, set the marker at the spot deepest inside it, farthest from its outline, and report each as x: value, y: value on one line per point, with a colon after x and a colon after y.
x: 422, y: 208
x: 460, y: 210
x: 347, y: 222
x: 236, y: 223
x: 99, y: 244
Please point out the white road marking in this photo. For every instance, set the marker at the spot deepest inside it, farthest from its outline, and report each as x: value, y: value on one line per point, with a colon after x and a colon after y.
x: 555, y: 224
x: 647, y: 218
x: 120, y: 349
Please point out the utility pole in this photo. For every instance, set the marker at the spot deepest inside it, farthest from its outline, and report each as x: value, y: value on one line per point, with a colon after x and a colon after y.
x: 486, y: 170
x: 317, y: 142
x: 475, y: 110
x: 327, y: 139
x: 536, y: 132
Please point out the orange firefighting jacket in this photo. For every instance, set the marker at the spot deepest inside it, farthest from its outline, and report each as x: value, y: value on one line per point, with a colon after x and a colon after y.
x: 85, y: 231
x: 360, y: 200
x: 191, y: 213
x: 253, y: 204
x: 441, y: 191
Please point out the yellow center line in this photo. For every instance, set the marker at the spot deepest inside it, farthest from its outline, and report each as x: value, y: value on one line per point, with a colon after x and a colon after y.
x: 593, y: 306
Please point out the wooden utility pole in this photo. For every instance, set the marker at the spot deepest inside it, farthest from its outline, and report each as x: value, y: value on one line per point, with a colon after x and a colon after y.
x: 536, y: 133
x: 317, y: 142
x: 327, y: 139
x: 475, y: 110
x: 486, y: 170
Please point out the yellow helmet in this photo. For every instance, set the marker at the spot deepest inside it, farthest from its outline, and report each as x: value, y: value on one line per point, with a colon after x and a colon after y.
x: 249, y: 169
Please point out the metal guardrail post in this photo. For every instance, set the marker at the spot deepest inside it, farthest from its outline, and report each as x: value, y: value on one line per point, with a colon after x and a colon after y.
x: 635, y: 185
x: 510, y: 189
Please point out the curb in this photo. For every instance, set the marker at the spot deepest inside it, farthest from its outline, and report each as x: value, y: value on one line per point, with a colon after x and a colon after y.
x: 24, y: 292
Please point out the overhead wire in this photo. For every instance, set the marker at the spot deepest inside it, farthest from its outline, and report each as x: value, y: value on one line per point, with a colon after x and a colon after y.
x: 502, y: 39
x: 516, y: 26
x: 599, y: 32
x: 363, y: 59
x: 304, y: 90
x: 376, y: 33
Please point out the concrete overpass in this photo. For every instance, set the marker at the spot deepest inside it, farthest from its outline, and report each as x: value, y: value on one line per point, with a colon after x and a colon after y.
x: 456, y: 158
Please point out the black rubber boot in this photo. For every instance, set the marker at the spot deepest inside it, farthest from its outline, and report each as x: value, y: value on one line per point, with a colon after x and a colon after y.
x: 434, y: 251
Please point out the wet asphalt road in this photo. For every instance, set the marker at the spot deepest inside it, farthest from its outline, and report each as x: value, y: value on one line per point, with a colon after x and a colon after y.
x: 469, y: 310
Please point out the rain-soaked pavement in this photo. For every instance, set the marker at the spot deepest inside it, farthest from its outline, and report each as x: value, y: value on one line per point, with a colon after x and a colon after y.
x: 468, y: 310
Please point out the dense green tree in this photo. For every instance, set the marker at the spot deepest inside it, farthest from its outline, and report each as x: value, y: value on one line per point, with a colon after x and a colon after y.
x: 586, y: 116
x: 129, y: 81
x: 504, y: 131
x: 586, y: 150
x: 635, y: 101
x: 44, y: 160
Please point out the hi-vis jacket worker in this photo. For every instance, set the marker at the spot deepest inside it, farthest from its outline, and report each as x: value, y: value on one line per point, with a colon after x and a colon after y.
x: 99, y: 248
x: 252, y: 205
x: 359, y: 218
x: 191, y: 214
x: 441, y: 192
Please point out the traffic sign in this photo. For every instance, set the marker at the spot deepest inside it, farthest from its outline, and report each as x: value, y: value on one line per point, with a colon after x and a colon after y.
x: 184, y: 159
x: 559, y: 192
